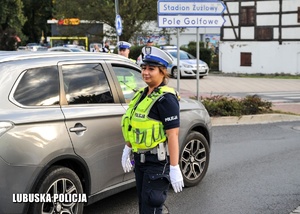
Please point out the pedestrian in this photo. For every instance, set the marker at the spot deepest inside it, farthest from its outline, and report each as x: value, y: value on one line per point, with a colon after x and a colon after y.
x: 149, y: 43
x: 96, y: 48
x: 124, y: 49
x: 150, y: 128
x: 106, y: 47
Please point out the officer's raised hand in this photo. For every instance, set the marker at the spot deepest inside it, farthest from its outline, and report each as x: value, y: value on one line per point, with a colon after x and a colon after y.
x: 126, y: 163
x: 176, y: 178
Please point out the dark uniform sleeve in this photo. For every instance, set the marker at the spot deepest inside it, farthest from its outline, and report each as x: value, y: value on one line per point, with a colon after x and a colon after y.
x: 166, y: 109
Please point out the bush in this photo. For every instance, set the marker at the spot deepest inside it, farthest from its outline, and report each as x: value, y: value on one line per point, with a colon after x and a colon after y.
x: 254, y: 105
x: 135, y: 52
x: 215, y: 63
x: 220, y: 105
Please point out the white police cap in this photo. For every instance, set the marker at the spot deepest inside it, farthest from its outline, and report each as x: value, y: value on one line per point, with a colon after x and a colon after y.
x: 156, y: 57
x: 123, y: 45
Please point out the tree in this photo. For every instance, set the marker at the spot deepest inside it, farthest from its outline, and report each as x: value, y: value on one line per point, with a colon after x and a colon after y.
x: 11, y: 23
x: 134, y: 13
x: 37, y: 13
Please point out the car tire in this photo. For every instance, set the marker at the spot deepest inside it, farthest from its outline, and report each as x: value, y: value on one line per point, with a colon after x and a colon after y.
x: 59, y: 180
x: 194, y: 158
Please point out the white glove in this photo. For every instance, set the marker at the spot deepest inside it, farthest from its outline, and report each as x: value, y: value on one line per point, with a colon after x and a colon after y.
x: 126, y: 163
x: 176, y: 178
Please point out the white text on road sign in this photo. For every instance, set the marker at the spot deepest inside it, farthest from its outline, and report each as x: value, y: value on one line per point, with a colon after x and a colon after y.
x: 190, y: 21
x: 212, y: 8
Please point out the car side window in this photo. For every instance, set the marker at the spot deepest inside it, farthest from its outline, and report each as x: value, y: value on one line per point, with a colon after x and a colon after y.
x: 38, y: 87
x: 130, y: 80
x: 86, y: 84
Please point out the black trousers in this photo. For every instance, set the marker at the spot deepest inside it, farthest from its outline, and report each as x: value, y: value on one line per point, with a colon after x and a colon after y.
x: 152, y: 182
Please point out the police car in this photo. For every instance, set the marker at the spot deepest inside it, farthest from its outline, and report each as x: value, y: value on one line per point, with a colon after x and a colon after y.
x: 187, y: 62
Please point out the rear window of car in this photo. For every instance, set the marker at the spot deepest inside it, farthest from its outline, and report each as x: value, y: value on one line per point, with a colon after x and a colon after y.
x: 38, y: 87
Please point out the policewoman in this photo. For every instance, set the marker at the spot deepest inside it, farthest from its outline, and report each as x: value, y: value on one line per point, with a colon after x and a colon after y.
x: 150, y: 128
x: 124, y: 49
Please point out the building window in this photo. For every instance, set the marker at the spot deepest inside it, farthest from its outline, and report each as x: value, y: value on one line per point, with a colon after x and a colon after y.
x: 264, y: 33
x: 247, y: 16
x: 246, y: 59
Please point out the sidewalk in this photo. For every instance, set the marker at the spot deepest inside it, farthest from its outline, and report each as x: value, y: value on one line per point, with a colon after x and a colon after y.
x: 287, y: 107
x: 214, y: 84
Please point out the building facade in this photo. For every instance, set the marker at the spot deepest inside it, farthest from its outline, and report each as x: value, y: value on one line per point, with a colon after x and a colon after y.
x: 260, y: 36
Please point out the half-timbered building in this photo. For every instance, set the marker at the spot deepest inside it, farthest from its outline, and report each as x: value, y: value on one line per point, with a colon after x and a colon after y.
x: 260, y: 36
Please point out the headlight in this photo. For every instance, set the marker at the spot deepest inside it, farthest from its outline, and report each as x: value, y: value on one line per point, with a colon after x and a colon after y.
x: 186, y: 65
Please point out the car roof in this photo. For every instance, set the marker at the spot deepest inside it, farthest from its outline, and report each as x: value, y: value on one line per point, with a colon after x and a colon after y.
x: 67, y: 48
x: 6, y: 56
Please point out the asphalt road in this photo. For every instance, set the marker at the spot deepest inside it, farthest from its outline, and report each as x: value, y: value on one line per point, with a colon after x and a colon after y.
x: 254, y: 169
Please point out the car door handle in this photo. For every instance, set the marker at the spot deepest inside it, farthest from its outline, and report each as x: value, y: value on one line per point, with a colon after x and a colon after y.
x: 78, y: 129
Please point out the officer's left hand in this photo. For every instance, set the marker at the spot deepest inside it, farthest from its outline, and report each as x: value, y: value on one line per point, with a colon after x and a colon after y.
x: 176, y: 178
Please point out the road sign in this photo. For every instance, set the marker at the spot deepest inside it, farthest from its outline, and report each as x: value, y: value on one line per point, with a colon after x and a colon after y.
x: 119, y: 25
x: 169, y: 21
x: 192, y: 7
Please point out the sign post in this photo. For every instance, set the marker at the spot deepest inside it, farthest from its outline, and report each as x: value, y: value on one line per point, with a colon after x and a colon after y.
x: 190, y: 14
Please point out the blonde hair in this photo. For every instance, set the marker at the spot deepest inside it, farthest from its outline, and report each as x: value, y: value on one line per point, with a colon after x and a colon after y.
x: 164, y: 71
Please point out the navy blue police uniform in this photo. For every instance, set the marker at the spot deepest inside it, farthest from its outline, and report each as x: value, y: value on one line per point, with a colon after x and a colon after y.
x: 152, y: 176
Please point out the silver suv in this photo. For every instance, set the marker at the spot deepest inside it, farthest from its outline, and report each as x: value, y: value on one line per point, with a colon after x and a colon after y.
x: 60, y: 130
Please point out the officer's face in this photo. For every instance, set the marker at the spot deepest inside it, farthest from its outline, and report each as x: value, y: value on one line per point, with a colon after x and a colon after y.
x: 124, y: 52
x: 152, y: 75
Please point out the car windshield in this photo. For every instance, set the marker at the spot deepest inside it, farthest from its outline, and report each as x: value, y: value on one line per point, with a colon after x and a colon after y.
x: 183, y: 55
x: 76, y: 50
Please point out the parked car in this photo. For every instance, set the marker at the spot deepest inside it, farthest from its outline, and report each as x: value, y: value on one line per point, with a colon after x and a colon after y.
x: 33, y: 46
x: 67, y: 49
x: 188, y: 64
x: 60, y: 129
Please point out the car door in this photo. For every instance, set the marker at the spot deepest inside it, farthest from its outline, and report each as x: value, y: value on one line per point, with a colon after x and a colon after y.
x: 129, y: 80
x: 93, y: 117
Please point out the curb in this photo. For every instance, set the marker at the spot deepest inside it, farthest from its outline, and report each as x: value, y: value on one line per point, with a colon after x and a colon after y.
x: 253, y: 119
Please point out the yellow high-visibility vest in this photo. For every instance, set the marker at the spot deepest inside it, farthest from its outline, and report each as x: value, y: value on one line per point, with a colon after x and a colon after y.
x: 137, y: 128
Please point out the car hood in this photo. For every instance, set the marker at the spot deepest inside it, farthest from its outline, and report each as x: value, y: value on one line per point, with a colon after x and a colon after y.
x: 189, y: 104
x: 191, y: 61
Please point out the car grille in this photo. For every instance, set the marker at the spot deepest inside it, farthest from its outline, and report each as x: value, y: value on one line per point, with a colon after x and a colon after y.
x: 203, y: 72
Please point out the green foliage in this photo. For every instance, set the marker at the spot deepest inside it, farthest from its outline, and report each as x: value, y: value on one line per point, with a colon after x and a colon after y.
x: 134, y: 13
x: 11, y: 23
x: 37, y: 15
x: 228, y: 106
x: 135, y: 52
x: 254, y: 105
x: 215, y: 63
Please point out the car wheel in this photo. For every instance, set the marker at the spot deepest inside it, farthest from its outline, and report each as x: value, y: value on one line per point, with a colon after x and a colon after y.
x: 194, y: 158
x: 175, y: 73
x: 59, y: 180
